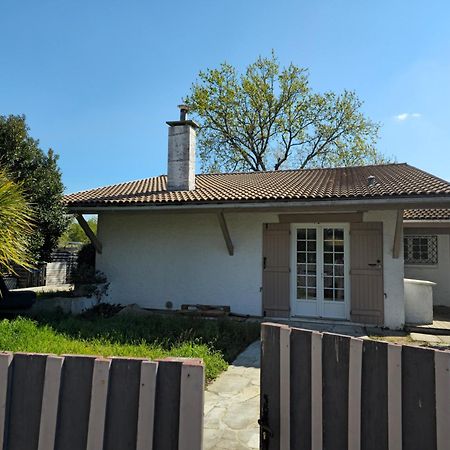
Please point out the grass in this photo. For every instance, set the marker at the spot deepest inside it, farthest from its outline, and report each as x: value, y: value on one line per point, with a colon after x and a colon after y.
x: 217, y: 342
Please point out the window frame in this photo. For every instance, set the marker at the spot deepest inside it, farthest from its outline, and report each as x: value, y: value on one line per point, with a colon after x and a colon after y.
x: 433, y: 253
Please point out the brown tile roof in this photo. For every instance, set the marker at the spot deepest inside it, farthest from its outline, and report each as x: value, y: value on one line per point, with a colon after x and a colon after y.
x: 391, y: 180
x: 426, y: 214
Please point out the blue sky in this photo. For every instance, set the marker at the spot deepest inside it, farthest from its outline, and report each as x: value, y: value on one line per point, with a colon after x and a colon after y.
x: 97, y: 79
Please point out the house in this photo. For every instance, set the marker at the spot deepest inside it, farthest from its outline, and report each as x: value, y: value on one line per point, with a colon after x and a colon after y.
x: 427, y: 249
x: 321, y: 243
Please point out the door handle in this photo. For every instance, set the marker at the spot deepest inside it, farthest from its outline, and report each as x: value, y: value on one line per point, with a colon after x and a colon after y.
x: 372, y: 264
x: 264, y: 262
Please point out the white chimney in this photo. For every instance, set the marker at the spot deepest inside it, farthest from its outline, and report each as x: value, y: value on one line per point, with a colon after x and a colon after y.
x: 181, y: 161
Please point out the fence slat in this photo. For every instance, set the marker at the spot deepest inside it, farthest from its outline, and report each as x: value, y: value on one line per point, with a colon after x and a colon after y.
x: 418, y: 398
x: 335, y: 366
x: 300, y: 381
x: 285, y: 434
x: 191, y: 406
x: 50, y: 403
x: 146, y: 413
x: 5, y: 364
x: 123, y: 402
x: 394, y: 367
x: 374, y: 396
x: 317, y: 391
x: 26, y: 401
x: 270, y: 382
x: 74, y: 402
x: 99, y: 395
x: 354, y: 394
x: 167, y: 405
x: 442, y: 372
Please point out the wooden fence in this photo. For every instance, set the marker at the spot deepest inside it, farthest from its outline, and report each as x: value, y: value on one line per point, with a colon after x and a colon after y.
x: 327, y: 391
x: 82, y: 402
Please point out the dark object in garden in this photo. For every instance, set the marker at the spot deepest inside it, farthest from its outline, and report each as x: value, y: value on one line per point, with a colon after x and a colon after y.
x: 15, y: 300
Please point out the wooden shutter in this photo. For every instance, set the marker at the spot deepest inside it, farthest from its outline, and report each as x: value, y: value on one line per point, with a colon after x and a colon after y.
x: 276, y: 260
x: 366, y: 272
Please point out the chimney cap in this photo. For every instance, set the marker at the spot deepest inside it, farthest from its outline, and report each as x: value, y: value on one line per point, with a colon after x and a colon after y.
x: 184, y: 109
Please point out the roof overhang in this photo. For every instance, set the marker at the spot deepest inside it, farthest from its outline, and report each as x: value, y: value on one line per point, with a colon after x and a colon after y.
x: 336, y: 204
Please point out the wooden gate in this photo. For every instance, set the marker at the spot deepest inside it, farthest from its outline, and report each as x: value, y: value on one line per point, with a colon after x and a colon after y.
x: 325, y: 391
x: 276, y: 261
x: 366, y: 272
x: 50, y: 402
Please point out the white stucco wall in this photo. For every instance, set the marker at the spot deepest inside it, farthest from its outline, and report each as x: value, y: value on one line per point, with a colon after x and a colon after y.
x: 393, y: 270
x: 151, y: 259
x: 439, y: 274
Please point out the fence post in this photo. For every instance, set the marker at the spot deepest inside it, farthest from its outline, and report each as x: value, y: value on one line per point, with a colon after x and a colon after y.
x: 74, y: 402
x: 167, y: 405
x: 5, y: 364
x: 418, y: 398
x: 99, y: 396
x: 28, y: 371
x: 146, y: 413
x: 354, y: 394
x: 442, y: 373
x: 285, y: 388
x: 394, y: 395
x: 50, y: 402
x: 335, y: 370
x: 316, y: 391
x: 123, y: 403
x: 191, y: 406
x: 270, y: 387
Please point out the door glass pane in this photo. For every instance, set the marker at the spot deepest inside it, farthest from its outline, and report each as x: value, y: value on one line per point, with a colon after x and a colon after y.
x: 333, y: 268
x: 306, y: 264
x: 311, y: 234
x: 301, y: 269
x: 311, y: 257
x: 301, y: 233
x: 328, y: 234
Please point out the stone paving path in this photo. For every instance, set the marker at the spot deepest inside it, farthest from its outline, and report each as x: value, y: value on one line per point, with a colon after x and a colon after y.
x: 431, y: 338
x: 232, y: 401
x: 232, y: 405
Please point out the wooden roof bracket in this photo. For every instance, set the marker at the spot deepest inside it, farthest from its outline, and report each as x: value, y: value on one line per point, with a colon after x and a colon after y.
x: 89, y: 233
x: 225, y: 232
x: 398, y: 235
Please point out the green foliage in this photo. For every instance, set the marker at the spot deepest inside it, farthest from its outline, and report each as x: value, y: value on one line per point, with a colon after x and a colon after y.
x: 15, y: 225
x: 215, y: 341
x: 25, y: 335
x: 74, y: 233
x: 269, y: 118
x: 38, y: 171
x: 227, y: 336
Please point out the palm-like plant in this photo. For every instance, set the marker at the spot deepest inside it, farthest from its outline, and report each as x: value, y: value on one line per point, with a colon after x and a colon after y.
x: 16, y: 225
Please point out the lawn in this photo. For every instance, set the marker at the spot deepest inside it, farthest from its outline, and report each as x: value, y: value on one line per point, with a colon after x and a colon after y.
x: 216, y: 341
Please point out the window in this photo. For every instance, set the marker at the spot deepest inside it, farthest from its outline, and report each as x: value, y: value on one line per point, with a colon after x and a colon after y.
x: 421, y: 250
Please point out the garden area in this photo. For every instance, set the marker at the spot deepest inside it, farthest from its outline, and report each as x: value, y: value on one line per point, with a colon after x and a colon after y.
x: 216, y: 341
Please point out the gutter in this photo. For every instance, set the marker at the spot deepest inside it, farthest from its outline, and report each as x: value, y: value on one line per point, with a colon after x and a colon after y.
x: 374, y: 203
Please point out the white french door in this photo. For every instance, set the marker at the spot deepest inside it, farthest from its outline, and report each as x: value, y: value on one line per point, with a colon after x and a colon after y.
x: 319, y: 282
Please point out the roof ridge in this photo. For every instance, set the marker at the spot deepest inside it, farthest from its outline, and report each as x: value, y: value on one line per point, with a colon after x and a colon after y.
x: 304, y: 169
